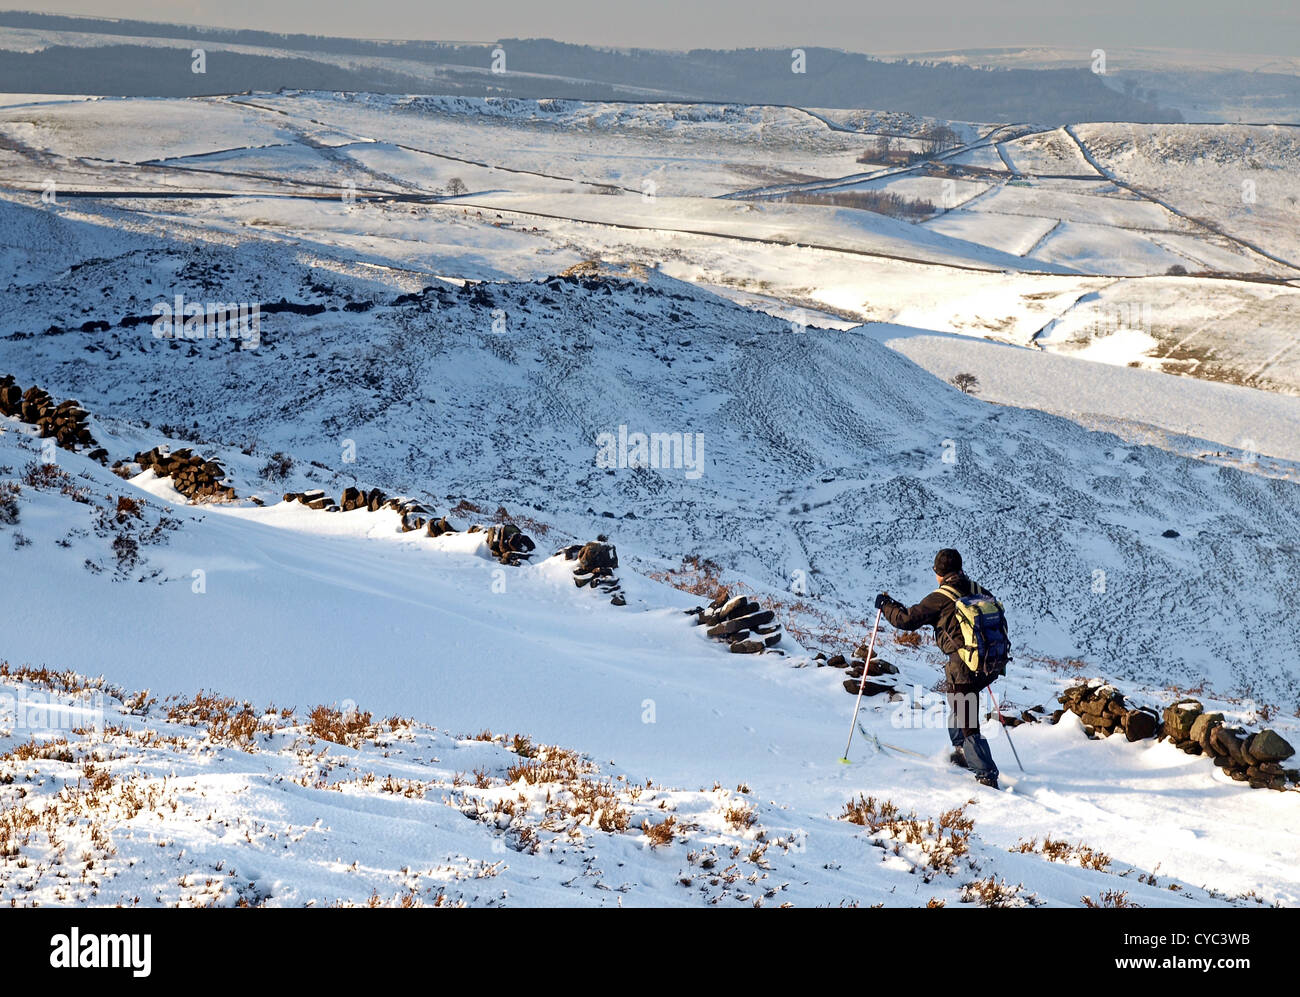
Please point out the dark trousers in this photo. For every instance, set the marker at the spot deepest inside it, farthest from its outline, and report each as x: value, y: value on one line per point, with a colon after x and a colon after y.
x: 964, y: 731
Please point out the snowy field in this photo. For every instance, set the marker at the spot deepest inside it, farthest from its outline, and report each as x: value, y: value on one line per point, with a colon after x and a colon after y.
x: 703, y: 191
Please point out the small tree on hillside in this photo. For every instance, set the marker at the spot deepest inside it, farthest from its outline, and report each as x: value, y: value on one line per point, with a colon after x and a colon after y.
x: 968, y: 383
x: 456, y: 187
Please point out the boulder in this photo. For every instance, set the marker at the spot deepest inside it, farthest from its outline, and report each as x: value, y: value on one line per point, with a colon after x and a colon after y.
x: 597, y: 555
x: 1203, y: 727
x: 1179, y: 718
x: 1141, y: 724
x: 1224, y: 741
x: 1269, y: 746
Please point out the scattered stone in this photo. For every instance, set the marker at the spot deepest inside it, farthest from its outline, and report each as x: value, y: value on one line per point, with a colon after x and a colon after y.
x: 65, y: 423
x: 851, y: 686
x: 197, y: 479
x: 1245, y: 757
x: 509, y: 544
x: 744, y: 624
x: 594, y: 568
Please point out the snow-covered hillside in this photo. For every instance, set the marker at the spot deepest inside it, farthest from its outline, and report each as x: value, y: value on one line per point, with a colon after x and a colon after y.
x: 686, y: 775
x: 824, y: 456
x: 1061, y: 237
x: 484, y: 305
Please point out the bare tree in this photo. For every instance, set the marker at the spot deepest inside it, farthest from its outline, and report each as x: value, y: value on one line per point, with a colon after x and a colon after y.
x: 968, y: 383
x: 456, y: 187
x: 937, y: 139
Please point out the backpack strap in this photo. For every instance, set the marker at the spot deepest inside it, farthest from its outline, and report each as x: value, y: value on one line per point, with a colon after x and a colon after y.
x: 951, y: 592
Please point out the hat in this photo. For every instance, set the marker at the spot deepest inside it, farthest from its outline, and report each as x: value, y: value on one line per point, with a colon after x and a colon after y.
x: 946, y: 562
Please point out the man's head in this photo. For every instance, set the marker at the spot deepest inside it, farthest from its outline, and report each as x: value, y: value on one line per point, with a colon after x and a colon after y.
x: 946, y: 562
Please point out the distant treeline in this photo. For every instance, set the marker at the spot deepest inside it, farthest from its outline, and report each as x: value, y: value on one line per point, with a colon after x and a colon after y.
x: 882, y: 202
x: 831, y: 78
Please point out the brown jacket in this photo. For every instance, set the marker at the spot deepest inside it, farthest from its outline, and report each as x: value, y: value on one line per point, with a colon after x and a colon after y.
x: 936, y: 610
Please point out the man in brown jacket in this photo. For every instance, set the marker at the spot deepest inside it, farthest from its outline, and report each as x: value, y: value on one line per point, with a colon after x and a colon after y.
x: 961, y: 685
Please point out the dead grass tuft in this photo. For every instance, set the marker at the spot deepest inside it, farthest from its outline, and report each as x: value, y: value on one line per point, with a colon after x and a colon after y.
x: 1062, y: 851
x: 325, y: 723
x: 1109, y: 898
x: 659, y: 834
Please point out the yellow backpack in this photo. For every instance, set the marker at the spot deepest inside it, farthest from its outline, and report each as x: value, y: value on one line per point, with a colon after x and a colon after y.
x: 981, y: 629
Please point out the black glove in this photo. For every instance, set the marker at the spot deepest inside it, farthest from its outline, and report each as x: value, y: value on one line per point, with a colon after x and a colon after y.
x: 883, y: 600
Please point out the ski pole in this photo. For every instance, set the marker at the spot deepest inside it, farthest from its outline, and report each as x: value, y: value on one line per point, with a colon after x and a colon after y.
x: 866, y: 665
x: 998, y: 710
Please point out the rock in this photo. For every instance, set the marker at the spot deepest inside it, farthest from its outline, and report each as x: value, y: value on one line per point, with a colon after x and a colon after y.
x: 1141, y: 724
x: 741, y: 623
x: 878, y: 666
x: 868, y: 689
x: 1224, y: 740
x: 837, y: 661
x: 1269, y: 746
x: 732, y: 606
x: 1180, y: 717
x: 1203, y: 726
x: 597, y: 555
x: 746, y: 647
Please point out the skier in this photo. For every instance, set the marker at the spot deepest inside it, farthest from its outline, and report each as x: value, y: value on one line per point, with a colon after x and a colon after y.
x: 961, y: 685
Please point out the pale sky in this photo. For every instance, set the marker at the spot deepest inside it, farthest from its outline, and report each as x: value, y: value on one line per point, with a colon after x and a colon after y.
x: 1248, y: 26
